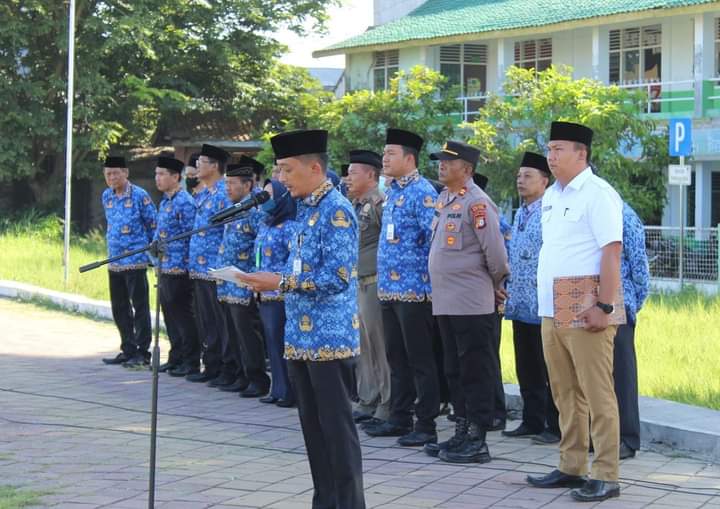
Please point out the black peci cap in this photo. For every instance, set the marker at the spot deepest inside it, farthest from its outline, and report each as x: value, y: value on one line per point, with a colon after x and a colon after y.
x: 537, y: 161
x: 568, y: 131
x: 298, y: 143
x: 366, y: 157
x: 257, y: 167
x: 404, y: 138
x: 457, y: 150
x: 239, y: 170
x: 193, y: 159
x: 170, y: 164
x: 214, y: 153
x: 114, y: 162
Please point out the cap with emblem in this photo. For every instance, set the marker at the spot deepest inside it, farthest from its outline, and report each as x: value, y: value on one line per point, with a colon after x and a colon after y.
x: 239, y: 170
x: 171, y: 164
x: 457, y: 150
x: 115, y: 162
x: 214, y: 152
x: 404, y: 138
x: 537, y: 161
x: 568, y: 131
x: 298, y: 143
x: 366, y: 157
x: 480, y: 180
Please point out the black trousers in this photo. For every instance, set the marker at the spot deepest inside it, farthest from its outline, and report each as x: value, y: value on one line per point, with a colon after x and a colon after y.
x: 470, y: 367
x: 272, y: 314
x: 129, y: 297
x: 444, y: 390
x: 499, y: 409
x: 408, y: 328
x: 210, y: 324
x: 176, y: 301
x: 539, y: 411
x: 333, y: 448
x: 626, y: 385
x: 245, y: 344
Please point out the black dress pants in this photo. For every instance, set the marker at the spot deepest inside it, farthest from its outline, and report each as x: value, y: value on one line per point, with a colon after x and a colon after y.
x: 322, y: 390
x: 499, y: 408
x: 626, y: 385
x: 247, y: 345
x: 470, y: 367
x: 539, y: 411
x: 408, y: 328
x: 129, y: 297
x: 176, y: 301
x: 211, y: 325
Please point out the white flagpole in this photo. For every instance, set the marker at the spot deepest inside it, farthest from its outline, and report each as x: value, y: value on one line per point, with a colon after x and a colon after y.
x: 69, y: 138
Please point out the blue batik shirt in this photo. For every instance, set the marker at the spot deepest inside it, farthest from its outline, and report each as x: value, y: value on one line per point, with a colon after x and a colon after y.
x: 204, y: 245
x: 634, y: 267
x: 320, y: 280
x: 176, y: 215
x: 404, y: 243
x: 523, y: 251
x: 272, y: 250
x: 237, y: 249
x: 130, y: 225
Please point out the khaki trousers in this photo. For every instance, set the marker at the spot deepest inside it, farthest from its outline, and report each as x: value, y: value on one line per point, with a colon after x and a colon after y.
x: 580, y: 368
x: 373, y: 371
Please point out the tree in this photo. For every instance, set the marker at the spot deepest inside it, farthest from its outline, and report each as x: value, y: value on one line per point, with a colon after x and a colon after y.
x: 627, y: 148
x: 417, y: 100
x: 136, y: 62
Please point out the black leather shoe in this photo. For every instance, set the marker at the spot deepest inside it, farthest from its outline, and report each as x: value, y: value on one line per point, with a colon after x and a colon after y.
x: 166, y: 367
x: 134, y: 362
x: 417, y: 439
x: 285, y: 403
x: 626, y: 452
x: 268, y: 399
x: 521, y: 431
x: 254, y: 391
x: 118, y: 359
x: 547, y: 437
x: 238, y: 385
x: 556, y: 479
x: 497, y: 425
x: 221, y: 381
x: 200, y: 377
x: 387, y: 429
x: 434, y: 448
x: 359, y: 416
x: 183, y: 370
x: 596, y: 491
x: 371, y: 423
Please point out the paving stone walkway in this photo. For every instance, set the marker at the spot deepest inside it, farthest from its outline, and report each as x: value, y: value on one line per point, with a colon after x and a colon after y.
x: 79, y: 431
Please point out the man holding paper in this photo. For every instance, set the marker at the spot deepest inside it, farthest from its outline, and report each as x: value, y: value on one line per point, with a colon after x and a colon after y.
x: 322, y: 331
x: 581, y: 218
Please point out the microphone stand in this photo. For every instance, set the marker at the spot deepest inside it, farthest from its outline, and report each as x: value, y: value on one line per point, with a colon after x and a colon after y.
x: 157, y: 249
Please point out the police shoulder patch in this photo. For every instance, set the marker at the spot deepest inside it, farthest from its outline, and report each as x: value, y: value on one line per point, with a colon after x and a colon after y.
x: 479, y: 213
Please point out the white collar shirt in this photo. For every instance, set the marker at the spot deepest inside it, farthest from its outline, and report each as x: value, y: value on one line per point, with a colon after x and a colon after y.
x: 577, y: 222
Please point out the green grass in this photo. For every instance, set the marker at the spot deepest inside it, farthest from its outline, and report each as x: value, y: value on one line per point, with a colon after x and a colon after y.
x: 14, y: 498
x: 677, y: 338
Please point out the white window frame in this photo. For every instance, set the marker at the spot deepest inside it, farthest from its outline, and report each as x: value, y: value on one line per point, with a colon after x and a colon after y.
x: 389, y: 62
x: 542, y: 50
x: 462, y: 55
x: 619, y: 47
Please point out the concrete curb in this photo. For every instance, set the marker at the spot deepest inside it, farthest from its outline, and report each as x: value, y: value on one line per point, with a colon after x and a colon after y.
x: 686, y: 429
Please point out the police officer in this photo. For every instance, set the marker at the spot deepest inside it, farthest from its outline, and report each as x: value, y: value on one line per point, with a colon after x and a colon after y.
x: 243, y: 354
x: 582, y: 237
x: 130, y: 215
x: 467, y: 264
x: 404, y: 291
x: 203, y: 255
x: 539, y: 415
x: 322, y: 328
x: 373, y: 372
x: 176, y: 215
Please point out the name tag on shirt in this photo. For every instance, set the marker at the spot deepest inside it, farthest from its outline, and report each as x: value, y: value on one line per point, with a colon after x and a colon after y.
x: 297, y: 266
x: 390, y: 232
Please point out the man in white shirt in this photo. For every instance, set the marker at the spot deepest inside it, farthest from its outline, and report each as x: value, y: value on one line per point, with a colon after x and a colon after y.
x: 582, y: 236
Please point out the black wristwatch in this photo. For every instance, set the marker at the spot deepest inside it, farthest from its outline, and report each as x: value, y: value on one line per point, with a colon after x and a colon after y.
x: 607, y: 308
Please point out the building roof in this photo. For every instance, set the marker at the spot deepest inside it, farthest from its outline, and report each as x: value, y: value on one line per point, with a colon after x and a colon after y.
x: 442, y: 19
x: 328, y: 76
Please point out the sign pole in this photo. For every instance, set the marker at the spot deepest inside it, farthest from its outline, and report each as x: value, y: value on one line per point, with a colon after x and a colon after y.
x: 69, y: 140
x: 681, y: 267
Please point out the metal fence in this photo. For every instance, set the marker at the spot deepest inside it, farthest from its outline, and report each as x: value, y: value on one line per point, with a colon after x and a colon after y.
x: 699, y: 254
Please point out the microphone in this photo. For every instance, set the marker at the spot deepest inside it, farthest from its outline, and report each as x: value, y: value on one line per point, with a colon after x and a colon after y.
x: 239, y: 208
